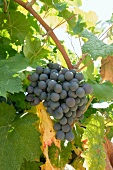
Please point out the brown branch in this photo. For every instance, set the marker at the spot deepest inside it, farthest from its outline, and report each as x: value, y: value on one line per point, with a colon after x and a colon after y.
x: 90, y: 62
x: 49, y: 30
x: 80, y: 61
x: 105, y: 32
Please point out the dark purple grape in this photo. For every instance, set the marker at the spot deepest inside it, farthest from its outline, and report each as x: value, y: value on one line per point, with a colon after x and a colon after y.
x: 69, y: 136
x: 80, y: 92
x: 69, y: 75
x: 79, y: 76
x: 61, y: 78
x: 63, y: 120
x: 54, y: 105
x: 57, y: 126
x: 29, y: 97
x: 72, y: 94
x: 64, y: 70
x: 56, y: 66
x: 49, y: 110
x: 37, y: 91
x: 50, y: 65
x: 57, y: 115
x: 53, y: 70
x: 66, y: 128
x: 65, y: 107
x: 43, y: 77
x: 68, y: 114
x: 82, y: 108
x: 78, y: 113
x: 60, y: 135
x: 73, y: 71
x: 51, y: 84
x: 45, y: 103
x: 77, y: 100
x: 66, y: 86
x: 74, y: 80
x: 57, y: 88
x: 73, y: 86
x: 43, y: 96
x: 34, y: 83
x: 34, y: 77
x: 63, y: 94
x: 70, y: 102
x: 60, y: 110
x: 54, y: 76
x: 73, y: 114
x: 30, y: 89
x: 42, y: 85
x: 70, y: 120
x: 46, y: 71
x: 39, y: 69
x: 35, y: 102
x: 74, y: 108
x: 88, y: 89
x: 55, y: 97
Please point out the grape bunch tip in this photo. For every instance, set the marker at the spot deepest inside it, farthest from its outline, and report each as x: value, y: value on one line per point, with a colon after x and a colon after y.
x: 63, y: 93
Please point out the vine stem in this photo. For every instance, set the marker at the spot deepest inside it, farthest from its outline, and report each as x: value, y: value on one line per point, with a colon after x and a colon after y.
x: 49, y: 30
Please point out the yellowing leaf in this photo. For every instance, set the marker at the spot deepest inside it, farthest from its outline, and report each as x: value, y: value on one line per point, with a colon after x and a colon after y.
x: 47, y: 135
x: 107, y: 69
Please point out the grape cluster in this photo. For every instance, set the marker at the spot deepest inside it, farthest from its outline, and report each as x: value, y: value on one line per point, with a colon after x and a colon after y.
x: 62, y: 92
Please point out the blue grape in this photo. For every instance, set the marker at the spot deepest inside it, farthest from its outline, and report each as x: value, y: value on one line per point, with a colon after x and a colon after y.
x: 88, y: 89
x: 42, y: 85
x: 29, y: 97
x: 63, y: 94
x: 74, y: 80
x: 80, y: 92
x: 43, y: 96
x: 57, y: 115
x: 46, y: 71
x: 68, y: 114
x: 55, y: 97
x: 34, y: 77
x: 51, y: 84
x: 73, y: 114
x: 49, y: 110
x: 82, y: 108
x: 64, y: 70
x: 54, y: 105
x: 73, y: 86
x: 66, y: 128
x: 35, y: 102
x: 30, y: 89
x: 33, y: 83
x: 63, y: 120
x: 79, y: 76
x: 69, y: 136
x: 61, y: 78
x: 70, y: 120
x: 43, y: 77
x: 66, y: 86
x: 69, y: 75
x: 74, y: 108
x: 56, y: 66
x: 72, y: 94
x: 39, y: 69
x: 45, y: 103
x: 54, y: 76
x: 65, y: 107
x: 57, y: 88
x: 57, y: 126
x: 37, y: 91
x: 60, y: 135
x: 70, y: 102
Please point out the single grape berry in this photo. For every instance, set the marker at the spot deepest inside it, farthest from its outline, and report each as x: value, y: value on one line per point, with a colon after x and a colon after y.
x: 30, y: 89
x: 39, y: 69
x: 56, y: 66
x: 60, y: 135
x: 79, y: 76
x: 88, y: 89
x: 34, y: 77
x: 69, y: 75
x: 58, y: 88
x: 43, y: 77
x: 66, y: 86
x: 70, y: 102
x: 46, y: 71
x: 37, y: 91
x: 55, y: 97
x: 69, y: 136
x: 57, y: 115
x: 66, y: 128
x: 63, y: 120
x: 63, y: 94
x: 73, y: 86
x: 61, y: 78
x: 65, y: 107
x: 35, y: 102
x: 80, y: 92
x: 51, y: 84
x: 42, y: 85
x: 57, y: 126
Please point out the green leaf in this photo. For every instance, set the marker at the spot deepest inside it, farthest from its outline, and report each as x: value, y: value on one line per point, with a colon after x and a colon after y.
x: 30, y: 165
x: 16, y: 63
x: 89, y: 70
x: 102, y: 91
x: 18, y: 26
x: 78, y: 131
x: 94, y: 134
x: 33, y: 49
x: 18, y: 138
x: 95, y: 47
x: 60, y: 6
x: 8, y: 83
x: 59, y: 157
x: 79, y: 26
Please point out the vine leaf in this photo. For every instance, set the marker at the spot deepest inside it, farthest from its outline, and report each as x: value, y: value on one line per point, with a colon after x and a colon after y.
x: 47, y: 134
x: 100, y: 93
x: 19, y: 139
x: 95, y: 47
x: 60, y: 157
x: 106, y: 71
x: 93, y: 138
